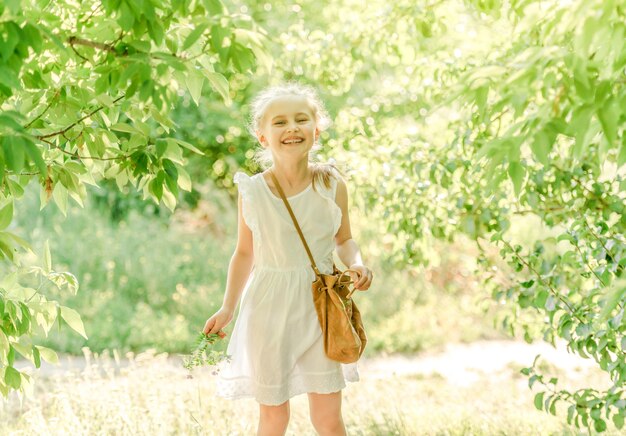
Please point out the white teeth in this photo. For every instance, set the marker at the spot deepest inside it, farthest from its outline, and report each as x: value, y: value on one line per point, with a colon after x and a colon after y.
x: 291, y: 141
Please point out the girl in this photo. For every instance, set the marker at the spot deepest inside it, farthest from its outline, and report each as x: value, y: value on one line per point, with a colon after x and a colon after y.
x: 277, y: 346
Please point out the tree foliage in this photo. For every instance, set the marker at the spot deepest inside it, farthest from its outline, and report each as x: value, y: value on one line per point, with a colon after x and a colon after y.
x: 531, y: 123
x: 85, y: 94
x: 459, y: 118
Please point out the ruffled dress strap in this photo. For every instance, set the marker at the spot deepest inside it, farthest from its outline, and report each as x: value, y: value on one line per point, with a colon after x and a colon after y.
x: 249, y: 207
x: 329, y: 195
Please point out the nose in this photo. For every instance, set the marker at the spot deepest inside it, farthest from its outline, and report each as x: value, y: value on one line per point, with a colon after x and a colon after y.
x: 292, y: 126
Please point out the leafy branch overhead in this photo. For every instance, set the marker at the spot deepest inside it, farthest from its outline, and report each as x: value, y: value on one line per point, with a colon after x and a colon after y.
x: 72, y: 77
x: 86, y: 89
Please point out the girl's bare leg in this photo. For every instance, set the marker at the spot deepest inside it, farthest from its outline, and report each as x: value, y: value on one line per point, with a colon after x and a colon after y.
x: 273, y: 420
x: 325, y: 412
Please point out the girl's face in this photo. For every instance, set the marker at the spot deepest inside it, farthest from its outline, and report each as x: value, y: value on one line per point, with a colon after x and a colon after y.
x: 288, y: 126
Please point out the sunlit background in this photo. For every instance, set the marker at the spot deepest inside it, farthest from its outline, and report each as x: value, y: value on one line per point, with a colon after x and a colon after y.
x: 464, y: 130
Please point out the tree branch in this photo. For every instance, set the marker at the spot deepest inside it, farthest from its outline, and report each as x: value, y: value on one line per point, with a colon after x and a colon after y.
x: 61, y: 132
x: 56, y: 94
x: 542, y: 281
x: 619, y: 267
x: 77, y: 156
x: 74, y: 40
x: 93, y: 11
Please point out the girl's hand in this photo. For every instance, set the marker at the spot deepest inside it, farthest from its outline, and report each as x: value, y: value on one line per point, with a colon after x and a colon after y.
x: 217, y: 322
x: 364, y: 280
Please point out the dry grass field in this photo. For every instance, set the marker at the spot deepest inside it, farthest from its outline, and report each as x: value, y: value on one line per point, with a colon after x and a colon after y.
x: 470, y: 389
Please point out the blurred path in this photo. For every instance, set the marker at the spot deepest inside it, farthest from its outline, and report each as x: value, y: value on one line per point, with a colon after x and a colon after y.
x: 459, y: 364
x: 464, y: 364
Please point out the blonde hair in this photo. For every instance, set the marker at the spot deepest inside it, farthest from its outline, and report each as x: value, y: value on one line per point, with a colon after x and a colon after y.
x: 258, y: 107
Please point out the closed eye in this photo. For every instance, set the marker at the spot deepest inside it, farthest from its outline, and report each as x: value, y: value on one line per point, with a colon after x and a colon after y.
x: 302, y: 120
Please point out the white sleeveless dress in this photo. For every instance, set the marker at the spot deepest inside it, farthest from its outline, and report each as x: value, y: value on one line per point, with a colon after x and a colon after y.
x: 276, y: 346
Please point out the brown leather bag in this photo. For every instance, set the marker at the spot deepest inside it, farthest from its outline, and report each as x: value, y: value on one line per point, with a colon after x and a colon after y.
x: 340, y: 319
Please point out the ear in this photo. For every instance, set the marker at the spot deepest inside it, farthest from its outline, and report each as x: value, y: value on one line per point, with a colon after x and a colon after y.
x: 260, y: 137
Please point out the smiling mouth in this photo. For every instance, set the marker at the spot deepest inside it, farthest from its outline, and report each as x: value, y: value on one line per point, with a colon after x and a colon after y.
x: 293, y: 141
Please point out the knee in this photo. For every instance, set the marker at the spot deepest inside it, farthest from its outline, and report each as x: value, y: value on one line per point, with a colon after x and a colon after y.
x: 328, y: 423
x: 277, y: 415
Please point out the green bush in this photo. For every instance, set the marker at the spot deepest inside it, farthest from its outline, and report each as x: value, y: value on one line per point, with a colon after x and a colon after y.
x: 145, y: 281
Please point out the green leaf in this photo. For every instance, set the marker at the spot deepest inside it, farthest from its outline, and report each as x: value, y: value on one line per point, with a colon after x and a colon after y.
x: 194, y: 35
x: 11, y: 353
x: 258, y: 44
x: 8, y: 78
x: 13, y: 147
x: 25, y: 351
x: 542, y: 145
x: 126, y: 17
x: 516, y: 172
x: 73, y: 320
x: 186, y: 145
x: 10, y: 40
x: 600, y: 425
x: 124, y: 127
x: 214, y: 7
x: 579, y: 128
x: 184, y: 181
x: 581, y: 80
x: 155, y: 30
x: 59, y: 194
x: 34, y: 37
x: 591, y: 346
x: 156, y: 185
x: 539, y: 401
x: 220, y: 84
x: 584, y: 38
x: 160, y: 147
x: 571, y: 410
x: 34, y: 153
x: 194, y: 81
x: 171, y: 185
x: 618, y: 420
x: 614, y: 294
x: 36, y: 357
x: 140, y: 159
x: 12, y: 377
x: 54, y: 38
x: 169, y: 200
x: 553, y: 408
x: 6, y: 215
x: 608, y: 114
x: 13, y: 5
x: 170, y: 169
x: 242, y: 57
x: 218, y: 35
x: 4, y: 346
x: 11, y: 119
x: 48, y: 354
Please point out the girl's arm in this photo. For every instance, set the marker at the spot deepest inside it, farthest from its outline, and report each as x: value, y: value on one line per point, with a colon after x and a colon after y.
x: 347, y: 248
x: 240, y: 264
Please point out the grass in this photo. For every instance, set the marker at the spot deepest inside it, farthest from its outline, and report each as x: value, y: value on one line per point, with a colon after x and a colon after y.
x: 151, y: 393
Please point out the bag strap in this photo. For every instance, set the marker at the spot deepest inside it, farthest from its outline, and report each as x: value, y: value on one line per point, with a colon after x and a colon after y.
x: 295, y: 221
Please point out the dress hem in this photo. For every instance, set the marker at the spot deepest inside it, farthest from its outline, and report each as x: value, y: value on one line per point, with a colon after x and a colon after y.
x: 295, y: 390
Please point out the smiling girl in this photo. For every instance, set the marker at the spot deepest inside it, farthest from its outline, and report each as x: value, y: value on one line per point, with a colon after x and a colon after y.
x: 276, y: 345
